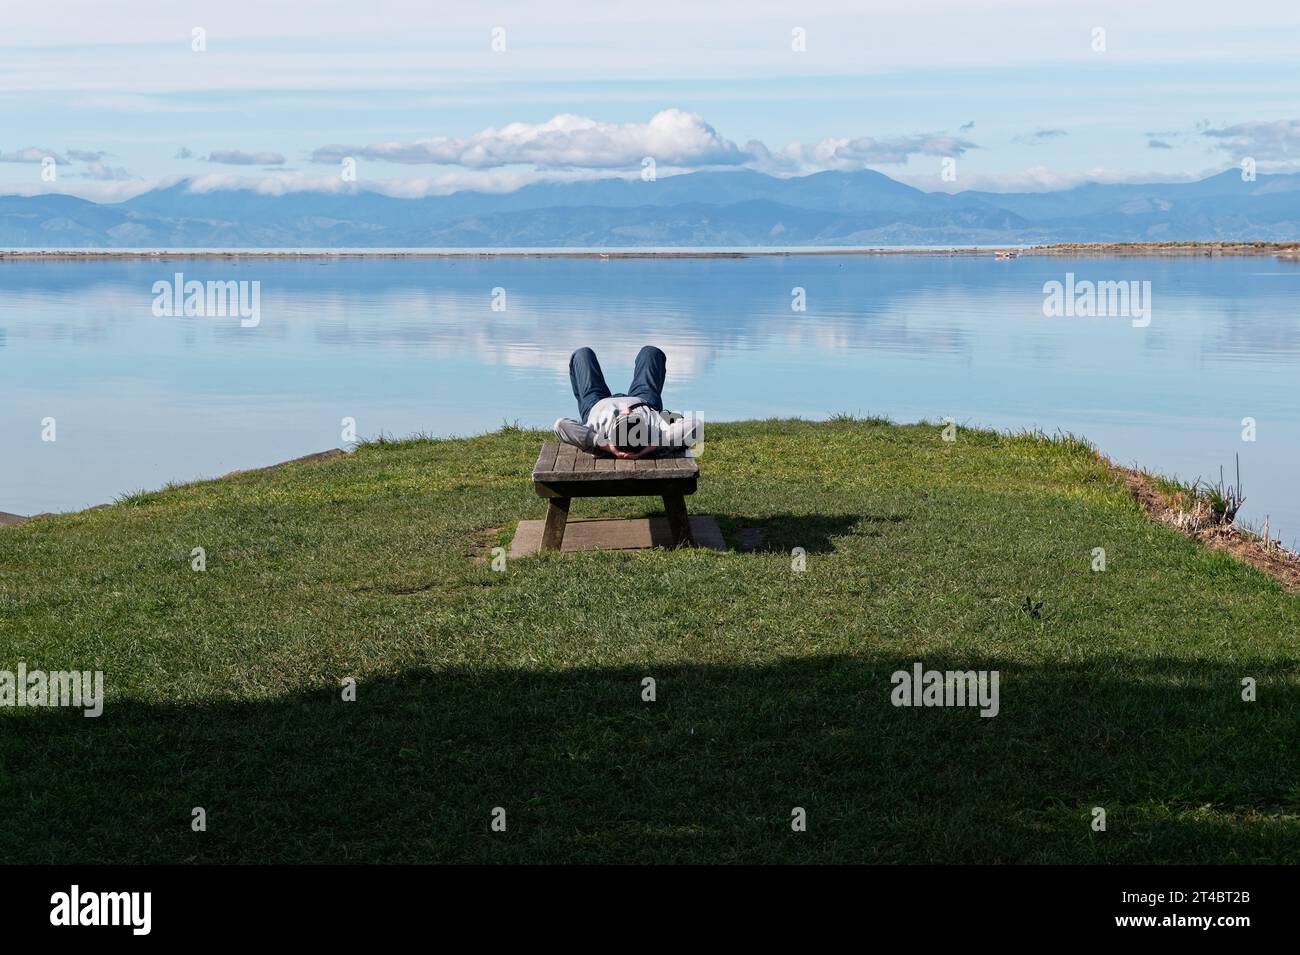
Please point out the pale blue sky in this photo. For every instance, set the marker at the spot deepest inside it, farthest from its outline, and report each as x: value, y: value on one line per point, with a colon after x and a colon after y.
x: 1014, y: 90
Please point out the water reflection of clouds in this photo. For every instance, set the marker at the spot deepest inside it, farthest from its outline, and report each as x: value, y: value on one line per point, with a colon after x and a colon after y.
x: 92, y: 315
x: 535, y: 333
x: 1264, y: 331
x: 104, y: 313
x: 699, y: 312
x: 523, y: 336
x: 1248, y: 317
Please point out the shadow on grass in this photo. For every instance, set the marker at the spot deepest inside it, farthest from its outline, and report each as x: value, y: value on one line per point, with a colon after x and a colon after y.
x: 710, y: 771
x: 815, y: 533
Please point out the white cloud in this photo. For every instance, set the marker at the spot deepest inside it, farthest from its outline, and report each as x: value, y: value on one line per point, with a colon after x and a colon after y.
x: 672, y: 137
x: 1279, y: 139
x: 237, y: 157
x: 33, y: 155
x: 275, y: 184
x: 486, y: 180
x: 105, y: 173
x: 281, y: 182
x: 899, y: 149
x: 410, y: 187
x: 1039, y: 136
x: 850, y: 154
x: 1043, y: 179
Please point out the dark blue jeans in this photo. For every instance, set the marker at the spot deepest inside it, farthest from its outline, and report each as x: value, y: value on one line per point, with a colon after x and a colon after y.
x: 589, y: 381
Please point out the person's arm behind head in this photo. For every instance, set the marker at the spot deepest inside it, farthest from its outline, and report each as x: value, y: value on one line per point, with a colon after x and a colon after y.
x: 576, y: 433
x: 681, y: 433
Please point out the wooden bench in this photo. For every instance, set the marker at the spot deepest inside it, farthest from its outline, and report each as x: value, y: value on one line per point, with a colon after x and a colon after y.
x: 564, y: 472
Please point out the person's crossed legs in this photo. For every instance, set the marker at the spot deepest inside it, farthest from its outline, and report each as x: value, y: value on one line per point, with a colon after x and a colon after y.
x: 589, y: 386
x: 588, y: 381
x: 648, y: 377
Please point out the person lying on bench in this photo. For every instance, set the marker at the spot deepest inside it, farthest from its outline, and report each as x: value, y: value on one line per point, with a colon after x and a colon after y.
x: 631, y: 425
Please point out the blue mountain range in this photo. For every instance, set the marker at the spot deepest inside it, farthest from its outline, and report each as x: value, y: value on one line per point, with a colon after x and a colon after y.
x: 703, y: 209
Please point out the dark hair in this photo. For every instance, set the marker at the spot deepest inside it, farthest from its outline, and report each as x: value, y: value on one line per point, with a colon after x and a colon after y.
x: 628, y: 433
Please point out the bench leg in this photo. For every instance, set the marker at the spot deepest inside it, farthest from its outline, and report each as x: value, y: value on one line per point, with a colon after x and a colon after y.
x: 557, y: 515
x: 675, y: 505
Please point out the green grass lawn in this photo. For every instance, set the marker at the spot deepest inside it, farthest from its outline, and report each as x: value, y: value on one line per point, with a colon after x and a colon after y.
x: 522, y: 689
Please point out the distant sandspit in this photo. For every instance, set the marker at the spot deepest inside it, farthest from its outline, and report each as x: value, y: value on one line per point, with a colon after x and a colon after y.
x: 1282, y: 250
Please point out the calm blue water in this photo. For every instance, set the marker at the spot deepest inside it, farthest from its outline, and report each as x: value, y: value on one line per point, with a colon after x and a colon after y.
x: 414, y: 345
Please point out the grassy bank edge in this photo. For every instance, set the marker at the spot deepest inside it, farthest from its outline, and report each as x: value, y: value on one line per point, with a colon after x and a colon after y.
x: 1165, y: 500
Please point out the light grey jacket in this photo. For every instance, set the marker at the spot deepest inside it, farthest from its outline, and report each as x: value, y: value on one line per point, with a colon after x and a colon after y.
x: 667, y: 430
